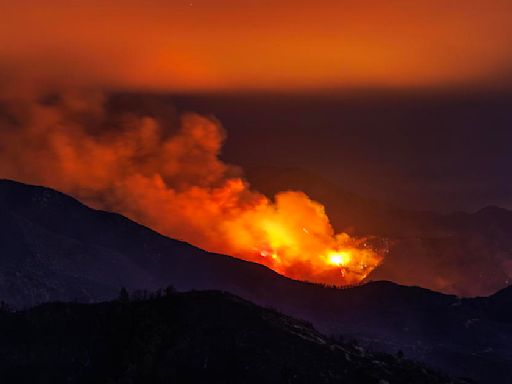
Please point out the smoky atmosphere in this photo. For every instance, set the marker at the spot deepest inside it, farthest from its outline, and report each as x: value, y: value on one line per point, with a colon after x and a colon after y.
x: 255, y: 191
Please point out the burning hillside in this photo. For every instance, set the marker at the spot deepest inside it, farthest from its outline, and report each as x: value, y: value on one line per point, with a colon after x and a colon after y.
x: 166, y: 173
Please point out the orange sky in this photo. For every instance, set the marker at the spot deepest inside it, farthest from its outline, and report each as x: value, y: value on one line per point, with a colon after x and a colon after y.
x: 248, y: 44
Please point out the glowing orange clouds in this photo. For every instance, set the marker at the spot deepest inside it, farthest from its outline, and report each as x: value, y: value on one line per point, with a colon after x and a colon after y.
x: 230, y: 45
x: 173, y: 181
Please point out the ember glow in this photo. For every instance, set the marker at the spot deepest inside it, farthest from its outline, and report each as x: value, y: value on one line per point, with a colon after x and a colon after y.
x: 168, y: 176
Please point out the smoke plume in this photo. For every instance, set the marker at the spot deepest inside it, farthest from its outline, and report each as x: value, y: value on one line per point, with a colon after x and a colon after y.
x: 163, y: 170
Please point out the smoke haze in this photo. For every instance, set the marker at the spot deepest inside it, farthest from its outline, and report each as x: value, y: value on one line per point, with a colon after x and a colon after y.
x: 164, y: 171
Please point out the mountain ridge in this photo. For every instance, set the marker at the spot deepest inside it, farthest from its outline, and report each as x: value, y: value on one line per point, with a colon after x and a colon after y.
x: 54, y: 248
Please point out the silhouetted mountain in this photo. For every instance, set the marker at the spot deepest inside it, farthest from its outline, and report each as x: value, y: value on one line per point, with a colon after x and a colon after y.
x: 54, y: 248
x: 196, y: 337
x: 461, y: 253
x: 499, y: 306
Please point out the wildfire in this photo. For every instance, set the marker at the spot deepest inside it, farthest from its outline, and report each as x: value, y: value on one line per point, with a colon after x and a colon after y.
x: 339, y: 258
x: 175, y: 183
x: 273, y: 233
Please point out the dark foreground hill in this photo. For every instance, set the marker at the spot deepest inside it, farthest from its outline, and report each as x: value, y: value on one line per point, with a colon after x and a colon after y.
x: 196, y: 337
x: 54, y: 248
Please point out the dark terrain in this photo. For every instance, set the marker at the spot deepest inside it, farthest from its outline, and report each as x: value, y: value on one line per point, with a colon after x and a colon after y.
x: 196, y: 337
x: 53, y: 248
x: 466, y: 254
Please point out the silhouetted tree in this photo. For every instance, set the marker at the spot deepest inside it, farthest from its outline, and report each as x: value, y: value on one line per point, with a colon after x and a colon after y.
x: 124, y: 296
x: 4, y: 307
x: 170, y: 290
x: 140, y: 295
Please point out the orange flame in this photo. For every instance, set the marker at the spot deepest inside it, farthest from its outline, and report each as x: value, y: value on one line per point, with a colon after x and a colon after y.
x: 174, y: 182
x: 293, y: 236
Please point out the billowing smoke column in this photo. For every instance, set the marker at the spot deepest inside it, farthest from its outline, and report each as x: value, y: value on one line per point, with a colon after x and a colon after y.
x: 168, y: 176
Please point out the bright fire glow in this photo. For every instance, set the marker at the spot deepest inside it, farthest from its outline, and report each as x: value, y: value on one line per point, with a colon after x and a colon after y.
x: 339, y: 258
x: 174, y: 182
x: 276, y: 232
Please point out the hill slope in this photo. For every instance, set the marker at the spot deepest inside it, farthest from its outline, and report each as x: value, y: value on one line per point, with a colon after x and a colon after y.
x: 54, y: 248
x: 187, y: 338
